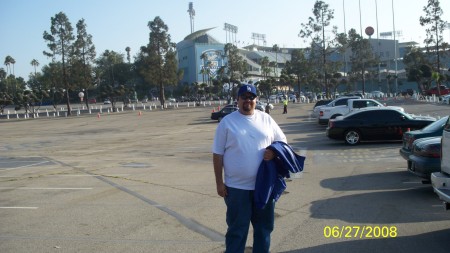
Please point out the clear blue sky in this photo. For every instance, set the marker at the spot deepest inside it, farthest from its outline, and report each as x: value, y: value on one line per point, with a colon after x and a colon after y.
x: 116, y: 24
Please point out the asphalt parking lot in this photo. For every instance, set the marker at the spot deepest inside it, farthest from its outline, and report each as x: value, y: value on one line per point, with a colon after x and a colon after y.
x: 142, y: 181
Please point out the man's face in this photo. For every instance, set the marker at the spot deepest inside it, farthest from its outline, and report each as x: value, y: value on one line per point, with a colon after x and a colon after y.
x: 247, y: 103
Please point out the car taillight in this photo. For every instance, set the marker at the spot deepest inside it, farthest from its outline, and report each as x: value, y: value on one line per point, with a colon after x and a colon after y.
x: 411, y: 139
x: 330, y: 123
x: 433, y: 151
x: 321, y: 113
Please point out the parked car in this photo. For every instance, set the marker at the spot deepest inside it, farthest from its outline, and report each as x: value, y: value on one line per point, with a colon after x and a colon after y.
x: 292, y: 97
x: 355, y: 93
x: 432, y: 130
x: 107, y: 102
x: 322, y: 102
x: 219, y: 115
x: 262, y: 106
x: 377, y: 94
x: 373, y: 123
x: 326, y: 113
x: 335, y: 102
x: 92, y: 101
x: 425, y: 157
x: 441, y: 180
x: 446, y: 99
x: 272, y: 98
x: 434, y: 91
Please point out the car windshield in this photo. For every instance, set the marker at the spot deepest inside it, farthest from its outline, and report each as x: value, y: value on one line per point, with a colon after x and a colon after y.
x: 371, y: 111
x: 435, y: 126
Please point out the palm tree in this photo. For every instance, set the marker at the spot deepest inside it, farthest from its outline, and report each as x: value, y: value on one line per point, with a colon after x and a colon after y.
x: 203, y: 71
x: 128, y: 49
x: 276, y: 49
x: 8, y: 61
x: 13, y: 62
x: 35, y: 64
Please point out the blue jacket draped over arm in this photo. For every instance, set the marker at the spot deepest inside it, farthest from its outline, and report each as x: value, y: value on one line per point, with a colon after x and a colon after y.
x: 270, y: 178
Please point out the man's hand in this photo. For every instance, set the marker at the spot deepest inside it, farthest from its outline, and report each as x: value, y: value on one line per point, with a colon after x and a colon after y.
x: 221, y: 190
x: 268, y: 155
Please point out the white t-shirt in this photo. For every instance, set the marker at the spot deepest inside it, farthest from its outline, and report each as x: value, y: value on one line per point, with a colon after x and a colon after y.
x: 242, y: 139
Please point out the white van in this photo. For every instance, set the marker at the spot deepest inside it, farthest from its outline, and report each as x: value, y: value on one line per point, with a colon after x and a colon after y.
x: 441, y: 180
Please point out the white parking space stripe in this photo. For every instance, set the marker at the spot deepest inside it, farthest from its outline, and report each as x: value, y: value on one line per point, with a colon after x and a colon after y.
x: 25, y: 166
x: 73, y: 175
x: 77, y: 175
x: 18, y: 207
x: 41, y: 188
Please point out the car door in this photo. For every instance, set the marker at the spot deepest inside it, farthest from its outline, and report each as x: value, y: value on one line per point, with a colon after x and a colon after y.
x: 394, y: 123
x: 374, y: 124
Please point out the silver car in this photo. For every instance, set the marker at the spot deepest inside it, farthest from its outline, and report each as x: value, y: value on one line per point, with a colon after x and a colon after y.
x: 441, y: 180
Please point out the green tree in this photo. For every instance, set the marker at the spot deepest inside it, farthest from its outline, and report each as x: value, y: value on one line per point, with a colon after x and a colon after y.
x: 298, y: 66
x: 265, y: 69
x: 321, y: 46
x: 33, y: 82
x: 10, y: 85
x: 128, y: 49
x: 50, y: 81
x: 84, y: 57
x: 59, y: 41
x: 417, y: 68
x: 434, y: 29
x: 2, y: 80
x: 106, y: 65
x: 113, y: 74
x: 362, y: 57
x: 8, y: 61
x: 5, y: 100
x: 159, y: 64
x: 236, y: 66
x: 35, y: 64
x: 266, y: 86
x: 276, y: 49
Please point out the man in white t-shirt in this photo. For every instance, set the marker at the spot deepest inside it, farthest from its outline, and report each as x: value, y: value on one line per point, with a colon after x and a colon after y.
x: 239, y: 147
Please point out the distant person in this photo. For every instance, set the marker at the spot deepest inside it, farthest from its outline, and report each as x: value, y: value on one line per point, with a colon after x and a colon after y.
x: 285, y: 104
x: 240, y: 143
x: 267, y: 108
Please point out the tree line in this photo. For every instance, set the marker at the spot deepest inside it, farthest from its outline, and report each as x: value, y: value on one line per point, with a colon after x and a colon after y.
x: 75, y: 71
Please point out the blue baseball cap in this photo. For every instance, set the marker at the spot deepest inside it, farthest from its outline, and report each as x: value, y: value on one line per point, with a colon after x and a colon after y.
x: 247, y: 88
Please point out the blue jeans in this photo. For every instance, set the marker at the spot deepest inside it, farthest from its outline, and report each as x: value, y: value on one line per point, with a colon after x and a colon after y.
x: 240, y: 212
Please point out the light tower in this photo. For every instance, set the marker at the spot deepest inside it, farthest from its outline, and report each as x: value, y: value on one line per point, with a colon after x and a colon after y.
x: 230, y: 32
x: 259, y: 37
x: 191, y: 15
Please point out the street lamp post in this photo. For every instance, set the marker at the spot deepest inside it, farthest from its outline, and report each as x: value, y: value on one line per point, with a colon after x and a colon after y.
x: 395, y: 49
x: 81, y: 96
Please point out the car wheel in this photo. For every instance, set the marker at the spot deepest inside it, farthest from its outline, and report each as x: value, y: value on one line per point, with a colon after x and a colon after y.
x: 352, y: 137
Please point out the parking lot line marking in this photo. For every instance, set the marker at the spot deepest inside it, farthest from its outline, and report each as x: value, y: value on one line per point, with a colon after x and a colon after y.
x: 75, y: 175
x: 18, y: 207
x: 25, y: 166
x: 43, y: 188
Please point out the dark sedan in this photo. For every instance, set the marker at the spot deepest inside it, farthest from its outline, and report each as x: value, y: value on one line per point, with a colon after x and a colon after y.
x: 432, y: 130
x: 426, y: 157
x: 374, y: 124
x: 223, y: 112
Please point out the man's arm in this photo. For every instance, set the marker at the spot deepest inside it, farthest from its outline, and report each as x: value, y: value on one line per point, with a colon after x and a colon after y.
x: 218, y: 172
